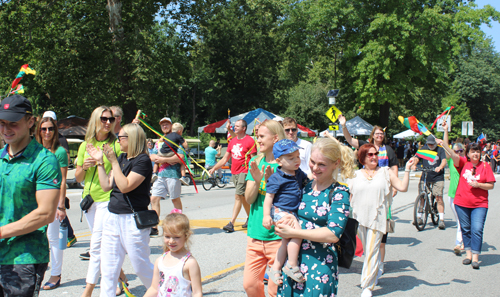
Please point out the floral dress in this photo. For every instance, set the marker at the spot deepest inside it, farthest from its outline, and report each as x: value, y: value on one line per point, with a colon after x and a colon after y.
x: 319, y: 260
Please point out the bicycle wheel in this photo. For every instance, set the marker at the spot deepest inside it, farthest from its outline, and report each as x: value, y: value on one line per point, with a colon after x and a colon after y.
x: 434, y: 211
x: 420, y: 207
x: 221, y: 180
x: 206, y: 181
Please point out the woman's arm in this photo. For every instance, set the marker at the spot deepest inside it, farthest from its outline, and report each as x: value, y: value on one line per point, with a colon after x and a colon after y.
x: 322, y: 234
x: 153, y: 289
x: 252, y: 188
x: 483, y: 186
x: 396, y: 183
x: 353, y: 142
x: 446, y: 146
x: 61, y: 206
x: 124, y: 183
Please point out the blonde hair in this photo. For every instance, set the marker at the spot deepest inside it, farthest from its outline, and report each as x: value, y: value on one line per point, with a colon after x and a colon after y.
x: 334, y: 151
x: 276, y: 129
x: 177, y: 224
x: 95, y: 125
x: 136, y: 140
x: 177, y: 127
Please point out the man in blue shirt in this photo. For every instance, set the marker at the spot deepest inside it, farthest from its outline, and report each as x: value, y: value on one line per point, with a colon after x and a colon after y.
x: 211, y: 153
x: 29, y: 192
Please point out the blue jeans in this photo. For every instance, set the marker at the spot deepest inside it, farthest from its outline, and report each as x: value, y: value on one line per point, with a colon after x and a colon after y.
x: 472, y: 225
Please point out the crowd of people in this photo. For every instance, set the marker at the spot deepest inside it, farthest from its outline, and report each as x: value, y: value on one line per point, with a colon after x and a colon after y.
x: 297, y: 207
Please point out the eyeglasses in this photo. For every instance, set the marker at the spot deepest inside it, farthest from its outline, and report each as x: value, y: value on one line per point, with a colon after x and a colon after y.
x: 121, y: 136
x: 372, y: 154
x: 459, y: 151
x: 379, y: 134
x: 291, y: 130
x: 110, y: 119
x: 50, y: 129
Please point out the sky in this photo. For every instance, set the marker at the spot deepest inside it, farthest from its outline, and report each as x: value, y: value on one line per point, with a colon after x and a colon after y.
x: 494, y: 31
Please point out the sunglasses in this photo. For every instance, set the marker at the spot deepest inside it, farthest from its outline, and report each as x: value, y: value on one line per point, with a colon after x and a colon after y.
x: 473, y: 171
x: 291, y: 130
x: 105, y: 120
x: 459, y: 151
x: 50, y: 129
x: 372, y: 154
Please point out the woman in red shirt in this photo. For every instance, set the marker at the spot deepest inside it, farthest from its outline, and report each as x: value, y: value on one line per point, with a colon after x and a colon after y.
x: 471, y: 198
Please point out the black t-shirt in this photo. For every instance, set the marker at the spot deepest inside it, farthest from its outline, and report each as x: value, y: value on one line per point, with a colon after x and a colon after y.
x: 400, y: 151
x: 393, y: 161
x: 433, y: 176
x: 63, y: 142
x: 175, y: 138
x: 139, y: 197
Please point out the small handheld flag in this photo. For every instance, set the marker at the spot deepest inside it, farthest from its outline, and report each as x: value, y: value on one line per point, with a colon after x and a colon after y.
x: 413, y: 124
x: 427, y: 155
x: 25, y: 69
x: 447, y: 110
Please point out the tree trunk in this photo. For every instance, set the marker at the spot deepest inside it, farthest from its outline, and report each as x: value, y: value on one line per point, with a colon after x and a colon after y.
x: 384, y: 114
x: 193, y: 121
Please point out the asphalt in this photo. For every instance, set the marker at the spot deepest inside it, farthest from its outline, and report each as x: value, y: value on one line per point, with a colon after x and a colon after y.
x: 417, y: 263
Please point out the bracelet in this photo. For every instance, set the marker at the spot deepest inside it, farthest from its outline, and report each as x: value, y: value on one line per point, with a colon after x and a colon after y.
x: 61, y: 208
x: 407, y: 170
x: 99, y: 164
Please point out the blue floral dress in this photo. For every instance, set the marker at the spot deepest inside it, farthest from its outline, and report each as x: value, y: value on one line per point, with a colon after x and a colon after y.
x: 319, y: 260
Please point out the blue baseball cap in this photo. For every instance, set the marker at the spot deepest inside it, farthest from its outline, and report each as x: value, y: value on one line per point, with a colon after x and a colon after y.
x: 283, y: 147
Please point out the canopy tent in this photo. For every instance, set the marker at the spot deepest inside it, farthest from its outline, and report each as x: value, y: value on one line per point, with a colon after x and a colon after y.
x: 260, y: 114
x: 73, y: 126
x: 355, y: 126
x: 406, y: 134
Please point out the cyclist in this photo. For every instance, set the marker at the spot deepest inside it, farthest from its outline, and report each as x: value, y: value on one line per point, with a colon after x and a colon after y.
x: 210, y: 155
x: 434, y: 178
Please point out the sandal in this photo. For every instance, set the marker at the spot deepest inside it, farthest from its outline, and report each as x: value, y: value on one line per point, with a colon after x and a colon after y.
x: 51, y: 286
x: 457, y: 250
x: 278, y: 280
x: 294, y: 273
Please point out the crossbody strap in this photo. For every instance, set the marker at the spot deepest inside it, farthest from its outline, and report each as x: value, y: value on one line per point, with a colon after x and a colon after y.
x: 130, y: 204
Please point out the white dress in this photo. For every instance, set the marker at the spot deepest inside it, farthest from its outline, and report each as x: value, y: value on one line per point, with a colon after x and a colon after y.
x: 172, y: 282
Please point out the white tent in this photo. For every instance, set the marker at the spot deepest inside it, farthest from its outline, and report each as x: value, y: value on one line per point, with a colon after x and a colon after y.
x: 355, y: 126
x: 406, y: 134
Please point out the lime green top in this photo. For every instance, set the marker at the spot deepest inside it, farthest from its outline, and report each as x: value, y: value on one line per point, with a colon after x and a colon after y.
x: 92, y: 184
x: 255, y: 228
x: 454, y: 177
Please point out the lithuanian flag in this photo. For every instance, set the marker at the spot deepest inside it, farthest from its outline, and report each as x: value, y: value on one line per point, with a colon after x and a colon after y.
x: 427, y: 155
x: 414, y: 124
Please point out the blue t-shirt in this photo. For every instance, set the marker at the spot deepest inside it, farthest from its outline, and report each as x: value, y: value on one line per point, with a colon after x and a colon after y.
x: 210, y: 154
x: 287, y: 189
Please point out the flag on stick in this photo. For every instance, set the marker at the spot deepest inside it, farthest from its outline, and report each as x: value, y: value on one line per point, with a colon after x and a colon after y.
x: 25, y: 69
x: 413, y: 124
x: 447, y: 110
x: 427, y: 155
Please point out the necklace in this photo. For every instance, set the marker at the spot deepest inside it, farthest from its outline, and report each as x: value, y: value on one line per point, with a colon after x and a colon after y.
x: 370, y: 176
x: 16, y: 154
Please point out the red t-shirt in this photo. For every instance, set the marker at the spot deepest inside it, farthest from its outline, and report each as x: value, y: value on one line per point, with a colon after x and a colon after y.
x: 241, y: 151
x: 467, y: 196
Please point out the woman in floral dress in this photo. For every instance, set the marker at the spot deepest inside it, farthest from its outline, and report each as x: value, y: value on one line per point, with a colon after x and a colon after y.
x: 322, y: 221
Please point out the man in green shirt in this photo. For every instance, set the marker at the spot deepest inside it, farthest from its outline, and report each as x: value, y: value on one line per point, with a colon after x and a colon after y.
x: 29, y: 192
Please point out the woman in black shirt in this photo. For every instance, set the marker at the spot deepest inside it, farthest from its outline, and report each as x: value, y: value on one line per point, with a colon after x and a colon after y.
x: 130, y: 177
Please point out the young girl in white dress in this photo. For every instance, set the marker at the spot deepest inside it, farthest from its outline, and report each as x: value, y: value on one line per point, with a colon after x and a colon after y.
x: 176, y: 272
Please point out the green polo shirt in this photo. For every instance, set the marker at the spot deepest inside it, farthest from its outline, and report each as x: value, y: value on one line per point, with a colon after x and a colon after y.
x: 34, y: 170
x: 92, y: 184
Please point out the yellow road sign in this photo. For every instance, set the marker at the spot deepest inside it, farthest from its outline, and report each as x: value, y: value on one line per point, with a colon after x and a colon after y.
x: 333, y: 127
x: 333, y: 113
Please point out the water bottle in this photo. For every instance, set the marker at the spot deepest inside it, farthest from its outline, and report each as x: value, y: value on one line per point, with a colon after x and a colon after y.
x: 63, y: 236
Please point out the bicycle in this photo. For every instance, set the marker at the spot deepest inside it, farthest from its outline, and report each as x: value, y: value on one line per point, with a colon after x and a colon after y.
x: 425, y: 203
x: 209, y: 182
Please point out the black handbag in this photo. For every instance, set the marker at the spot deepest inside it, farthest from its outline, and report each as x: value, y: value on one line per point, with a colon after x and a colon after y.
x: 144, y: 218
x: 87, y: 202
x: 346, y: 246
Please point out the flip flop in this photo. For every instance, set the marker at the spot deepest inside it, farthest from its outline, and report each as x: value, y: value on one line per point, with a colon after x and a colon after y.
x: 52, y: 286
x: 293, y: 272
x: 272, y: 275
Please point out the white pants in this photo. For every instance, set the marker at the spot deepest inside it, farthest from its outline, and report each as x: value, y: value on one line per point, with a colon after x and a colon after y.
x: 458, y: 240
x: 120, y: 237
x: 56, y: 255
x: 371, y: 240
x: 95, y: 219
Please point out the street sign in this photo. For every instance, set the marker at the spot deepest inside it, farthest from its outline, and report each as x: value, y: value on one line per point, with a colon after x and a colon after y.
x: 440, y: 122
x: 333, y: 127
x: 333, y: 113
x: 467, y: 128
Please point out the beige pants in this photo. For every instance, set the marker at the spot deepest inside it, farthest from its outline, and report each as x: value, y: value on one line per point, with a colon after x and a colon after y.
x: 371, y: 240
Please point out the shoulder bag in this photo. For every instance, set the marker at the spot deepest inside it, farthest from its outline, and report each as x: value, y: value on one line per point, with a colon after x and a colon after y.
x: 144, y: 218
x: 346, y: 246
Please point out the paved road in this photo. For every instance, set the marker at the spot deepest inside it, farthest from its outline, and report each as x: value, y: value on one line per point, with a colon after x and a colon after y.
x: 417, y: 263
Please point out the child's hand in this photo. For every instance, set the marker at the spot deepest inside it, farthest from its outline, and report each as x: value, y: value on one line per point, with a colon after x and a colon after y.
x: 267, y: 222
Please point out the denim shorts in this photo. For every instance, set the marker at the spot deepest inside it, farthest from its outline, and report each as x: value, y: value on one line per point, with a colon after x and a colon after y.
x: 278, y: 213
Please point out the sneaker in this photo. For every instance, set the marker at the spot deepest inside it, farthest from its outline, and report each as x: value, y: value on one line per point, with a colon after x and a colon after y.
x: 71, y: 241
x: 154, y: 178
x: 419, y: 221
x: 366, y: 293
x: 244, y: 226
x: 228, y: 228
x: 184, y: 180
x: 154, y: 232
x: 441, y: 225
x: 85, y: 256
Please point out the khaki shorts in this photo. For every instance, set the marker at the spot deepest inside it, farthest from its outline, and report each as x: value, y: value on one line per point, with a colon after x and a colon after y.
x: 437, y: 189
x: 239, y: 183
x: 166, y: 185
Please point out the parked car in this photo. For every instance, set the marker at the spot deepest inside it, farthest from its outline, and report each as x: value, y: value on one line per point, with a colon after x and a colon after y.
x: 73, y: 144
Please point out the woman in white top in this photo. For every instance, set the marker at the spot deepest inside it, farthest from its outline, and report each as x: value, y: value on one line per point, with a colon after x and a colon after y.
x: 370, y: 200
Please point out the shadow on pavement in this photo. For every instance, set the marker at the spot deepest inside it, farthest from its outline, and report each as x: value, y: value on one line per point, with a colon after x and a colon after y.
x: 402, y: 283
x: 398, y: 266
x: 410, y: 241
x: 216, y: 293
x: 208, y: 231
x: 488, y: 260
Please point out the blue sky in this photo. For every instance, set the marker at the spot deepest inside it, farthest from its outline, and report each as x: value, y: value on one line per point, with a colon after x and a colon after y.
x: 494, y: 31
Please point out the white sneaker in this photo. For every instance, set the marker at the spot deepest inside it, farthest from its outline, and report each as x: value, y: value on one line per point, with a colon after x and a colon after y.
x: 366, y: 293
x: 185, y: 180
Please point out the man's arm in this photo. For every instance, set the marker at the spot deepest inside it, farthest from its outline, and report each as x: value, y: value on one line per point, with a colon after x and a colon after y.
x: 220, y: 163
x: 43, y: 215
